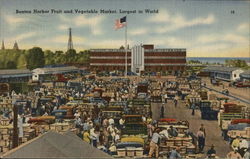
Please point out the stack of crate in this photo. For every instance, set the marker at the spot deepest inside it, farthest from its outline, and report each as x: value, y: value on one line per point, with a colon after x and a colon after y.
x: 182, y: 144
x: 60, y: 127
x: 6, y: 133
x: 28, y: 133
x: 5, y: 104
x: 5, y: 138
x: 243, y: 133
x: 130, y: 152
x: 246, y: 112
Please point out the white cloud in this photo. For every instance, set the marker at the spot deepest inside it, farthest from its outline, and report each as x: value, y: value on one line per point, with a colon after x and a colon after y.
x: 15, y: 20
x: 22, y: 36
x: 175, y: 22
x: 139, y: 31
x: 163, y: 16
x: 83, y: 21
x: 210, y: 50
x: 172, y: 42
x: 64, y: 39
x: 63, y: 27
x: 214, y: 38
x: 244, y: 27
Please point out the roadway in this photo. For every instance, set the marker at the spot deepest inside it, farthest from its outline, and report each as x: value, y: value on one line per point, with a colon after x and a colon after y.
x: 241, y: 94
x: 181, y: 112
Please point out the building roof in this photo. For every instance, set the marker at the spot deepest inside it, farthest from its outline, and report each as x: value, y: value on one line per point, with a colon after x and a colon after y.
x: 14, y: 73
x: 55, y: 70
x: 55, y: 145
x: 245, y: 74
x: 146, y: 50
x: 220, y: 69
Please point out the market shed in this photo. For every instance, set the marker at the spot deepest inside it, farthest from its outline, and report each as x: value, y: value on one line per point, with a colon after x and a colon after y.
x: 15, y: 75
x: 40, y: 74
x: 55, y: 145
x: 245, y: 76
x: 224, y: 73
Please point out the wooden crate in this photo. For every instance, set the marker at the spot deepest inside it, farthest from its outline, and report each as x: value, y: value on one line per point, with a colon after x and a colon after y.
x: 5, y: 149
x: 121, y: 152
x: 169, y: 143
x: 130, y: 152
x: 164, y: 148
x: 5, y: 137
x: 190, y: 149
x: 182, y: 150
x: 139, y: 152
x: 3, y: 142
x: 24, y: 139
x: 4, y: 131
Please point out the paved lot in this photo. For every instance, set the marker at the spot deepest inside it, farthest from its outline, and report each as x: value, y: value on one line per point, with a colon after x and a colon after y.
x: 182, y: 113
x: 243, y: 93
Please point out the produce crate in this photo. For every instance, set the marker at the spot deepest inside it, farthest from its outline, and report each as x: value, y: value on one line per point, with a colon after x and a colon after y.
x: 5, y: 137
x: 121, y: 152
x: 130, y: 152
x: 164, y: 148
x: 228, y: 116
x: 190, y: 150
x: 139, y: 152
x: 4, y: 131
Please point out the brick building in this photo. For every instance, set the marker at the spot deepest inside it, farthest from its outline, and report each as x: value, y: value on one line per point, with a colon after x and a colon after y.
x: 147, y: 58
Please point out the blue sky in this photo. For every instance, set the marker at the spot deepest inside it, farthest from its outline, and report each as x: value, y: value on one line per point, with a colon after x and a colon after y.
x: 204, y: 28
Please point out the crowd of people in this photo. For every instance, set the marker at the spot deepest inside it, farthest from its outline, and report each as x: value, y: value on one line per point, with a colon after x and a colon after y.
x: 104, y: 132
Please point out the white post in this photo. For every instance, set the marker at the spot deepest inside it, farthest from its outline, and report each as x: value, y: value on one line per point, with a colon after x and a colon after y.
x: 126, y: 56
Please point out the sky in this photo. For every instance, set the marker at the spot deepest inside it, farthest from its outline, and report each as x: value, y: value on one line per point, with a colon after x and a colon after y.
x: 212, y: 28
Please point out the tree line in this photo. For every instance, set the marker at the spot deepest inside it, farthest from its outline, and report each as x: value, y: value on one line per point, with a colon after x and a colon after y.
x: 36, y: 57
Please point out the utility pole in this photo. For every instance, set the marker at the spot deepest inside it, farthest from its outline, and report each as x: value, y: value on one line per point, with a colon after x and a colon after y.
x: 15, y: 138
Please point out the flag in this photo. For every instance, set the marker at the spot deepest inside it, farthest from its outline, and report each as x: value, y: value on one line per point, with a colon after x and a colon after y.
x: 119, y: 23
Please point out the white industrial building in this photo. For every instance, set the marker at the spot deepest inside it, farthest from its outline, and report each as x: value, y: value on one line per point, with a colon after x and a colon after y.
x: 40, y: 74
x: 224, y: 73
x: 245, y: 76
x: 137, y: 59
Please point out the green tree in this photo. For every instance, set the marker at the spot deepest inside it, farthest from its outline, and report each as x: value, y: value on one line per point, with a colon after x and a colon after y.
x: 11, y: 65
x: 49, y: 57
x: 22, y: 61
x: 35, y: 58
x: 70, y: 56
x: 83, y: 56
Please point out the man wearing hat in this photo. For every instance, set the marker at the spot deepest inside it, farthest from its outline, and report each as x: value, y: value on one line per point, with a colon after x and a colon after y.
x: 174, y: 154
x: 154, y: 144
x: 211, y: 152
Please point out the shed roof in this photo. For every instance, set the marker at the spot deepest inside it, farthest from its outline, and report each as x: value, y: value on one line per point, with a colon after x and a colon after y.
x: 245, y: 74
x: 15, y: 73
x: 56, y: 70
x: 220, y: 69
x: 55, y: 145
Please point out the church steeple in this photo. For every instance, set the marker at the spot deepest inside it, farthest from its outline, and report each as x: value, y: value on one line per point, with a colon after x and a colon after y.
x: 15, y: 47
x: 3, y: 47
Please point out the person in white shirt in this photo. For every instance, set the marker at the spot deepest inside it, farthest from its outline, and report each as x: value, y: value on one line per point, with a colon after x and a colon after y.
x: 243, y: 146
x: 77, y: 114
x: 154, y: 144
x: 247, y: 154
x: 164, y: 133
x: 121, y: 122
x: 111, y: 121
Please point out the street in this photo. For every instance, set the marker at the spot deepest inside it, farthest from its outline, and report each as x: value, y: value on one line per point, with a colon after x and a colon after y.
x: 181, y: 112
